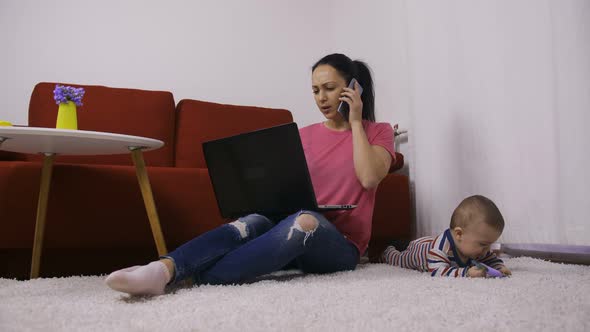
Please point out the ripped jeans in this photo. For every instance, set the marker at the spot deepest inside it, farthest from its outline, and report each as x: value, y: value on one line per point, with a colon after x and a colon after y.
x: 255, y: 245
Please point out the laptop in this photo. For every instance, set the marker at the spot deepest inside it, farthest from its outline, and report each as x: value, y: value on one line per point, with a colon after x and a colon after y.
x: 262, y: 171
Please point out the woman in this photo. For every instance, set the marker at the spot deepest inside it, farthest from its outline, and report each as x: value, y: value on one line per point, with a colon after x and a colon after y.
x: 346, y: 160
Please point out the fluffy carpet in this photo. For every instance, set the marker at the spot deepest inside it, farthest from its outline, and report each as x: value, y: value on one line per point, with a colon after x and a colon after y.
x: 540, y: 296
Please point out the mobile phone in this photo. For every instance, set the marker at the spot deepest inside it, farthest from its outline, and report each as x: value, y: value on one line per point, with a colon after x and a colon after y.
x: 344, y: 108
x: 490, y: 272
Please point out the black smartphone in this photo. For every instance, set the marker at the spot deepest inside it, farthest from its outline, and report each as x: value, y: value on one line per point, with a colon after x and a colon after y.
x: 344, y: 108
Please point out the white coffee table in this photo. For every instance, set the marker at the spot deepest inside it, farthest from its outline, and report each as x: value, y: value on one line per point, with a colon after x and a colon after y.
x: 51, y: 142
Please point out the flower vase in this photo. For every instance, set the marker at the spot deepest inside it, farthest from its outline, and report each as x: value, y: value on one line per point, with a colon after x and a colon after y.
x: 66, y: 116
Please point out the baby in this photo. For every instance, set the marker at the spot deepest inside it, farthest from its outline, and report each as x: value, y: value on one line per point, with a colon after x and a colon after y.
x: 476, y: 224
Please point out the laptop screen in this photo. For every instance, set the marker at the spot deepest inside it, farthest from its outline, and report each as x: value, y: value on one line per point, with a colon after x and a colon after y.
x: 263, y: 171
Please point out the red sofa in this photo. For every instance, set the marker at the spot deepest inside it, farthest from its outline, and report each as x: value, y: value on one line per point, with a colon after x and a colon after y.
x: 96, y: 219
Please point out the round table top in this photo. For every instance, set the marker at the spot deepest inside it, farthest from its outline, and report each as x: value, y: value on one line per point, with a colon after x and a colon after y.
x: 71, y: 142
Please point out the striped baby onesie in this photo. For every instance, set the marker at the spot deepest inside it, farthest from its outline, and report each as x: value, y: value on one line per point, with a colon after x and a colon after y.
x: 436, y: 255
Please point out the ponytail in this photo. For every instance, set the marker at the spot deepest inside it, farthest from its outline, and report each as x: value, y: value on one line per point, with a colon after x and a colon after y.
x: 363, y: 76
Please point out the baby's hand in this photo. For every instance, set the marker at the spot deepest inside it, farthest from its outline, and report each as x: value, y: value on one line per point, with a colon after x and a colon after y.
x: 476, y: 272
x: 505, y: 271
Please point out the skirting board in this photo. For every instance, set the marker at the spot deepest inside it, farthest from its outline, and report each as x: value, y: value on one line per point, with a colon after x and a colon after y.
x: 552, y: 252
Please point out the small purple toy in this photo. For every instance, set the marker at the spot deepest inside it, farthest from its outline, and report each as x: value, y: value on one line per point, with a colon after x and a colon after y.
x: 491, y: 272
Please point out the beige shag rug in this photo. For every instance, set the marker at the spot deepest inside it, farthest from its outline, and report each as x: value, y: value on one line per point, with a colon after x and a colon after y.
x: 540, y: 296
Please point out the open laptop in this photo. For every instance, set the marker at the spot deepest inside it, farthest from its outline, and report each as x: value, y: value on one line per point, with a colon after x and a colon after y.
x: 262, y: 171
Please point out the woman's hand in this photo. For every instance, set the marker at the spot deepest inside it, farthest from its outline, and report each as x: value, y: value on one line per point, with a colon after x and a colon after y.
x: 353, y: 98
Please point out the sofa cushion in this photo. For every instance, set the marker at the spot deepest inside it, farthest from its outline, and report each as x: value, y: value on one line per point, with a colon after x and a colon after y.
x: 122, y: 111
x: 200, y: 121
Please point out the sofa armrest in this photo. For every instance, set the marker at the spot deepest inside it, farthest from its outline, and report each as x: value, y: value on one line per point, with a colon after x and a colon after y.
x: 398, y: 163
x: 391, y: 215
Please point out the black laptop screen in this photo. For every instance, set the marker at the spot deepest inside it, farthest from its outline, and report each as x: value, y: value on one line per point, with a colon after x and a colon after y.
x: 263, y: 171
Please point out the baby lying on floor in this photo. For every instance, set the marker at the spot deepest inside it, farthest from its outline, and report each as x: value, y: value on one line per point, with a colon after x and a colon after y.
x: 476, y: 224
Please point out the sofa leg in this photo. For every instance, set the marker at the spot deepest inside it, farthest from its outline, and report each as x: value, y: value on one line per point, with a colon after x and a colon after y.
x: 148, y: 199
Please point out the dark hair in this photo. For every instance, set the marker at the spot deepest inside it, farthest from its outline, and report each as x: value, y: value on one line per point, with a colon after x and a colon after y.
x: 354, y: 69
x: 477, y: 207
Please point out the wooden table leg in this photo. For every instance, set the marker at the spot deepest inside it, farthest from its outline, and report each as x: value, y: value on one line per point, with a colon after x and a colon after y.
x: 41, y: 212
x: 148, y: 199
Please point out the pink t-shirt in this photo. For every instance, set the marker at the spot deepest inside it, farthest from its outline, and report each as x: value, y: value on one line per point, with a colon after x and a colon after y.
x: 330, y: 161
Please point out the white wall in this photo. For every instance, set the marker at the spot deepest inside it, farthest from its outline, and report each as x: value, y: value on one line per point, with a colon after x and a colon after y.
x: 375, y: 32
x: 571, y: 35
x: 242, y: 52
x: 252, y: 52
x: 501, y: 96
x: 495, y: 94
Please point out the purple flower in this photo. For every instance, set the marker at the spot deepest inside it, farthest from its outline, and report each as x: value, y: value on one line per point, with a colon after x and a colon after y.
x: 63, y: 94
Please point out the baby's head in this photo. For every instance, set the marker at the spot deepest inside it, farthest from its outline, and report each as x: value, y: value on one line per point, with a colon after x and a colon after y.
x: 476, y: 224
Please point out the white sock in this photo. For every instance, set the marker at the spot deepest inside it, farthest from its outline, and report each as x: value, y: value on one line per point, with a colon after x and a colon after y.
x: 149, y: 279
x: 129, y: 269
